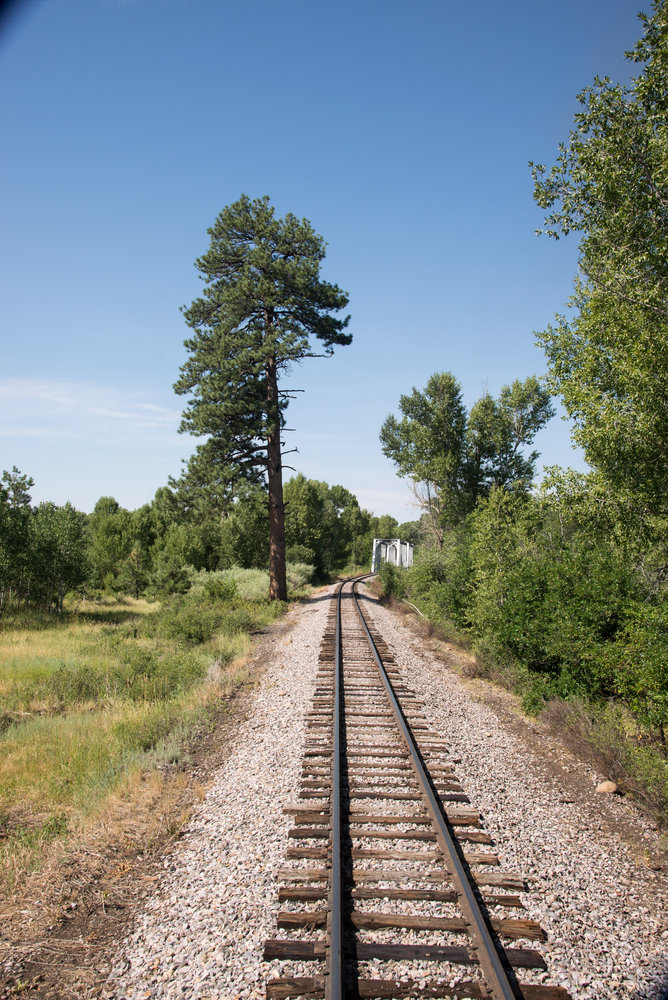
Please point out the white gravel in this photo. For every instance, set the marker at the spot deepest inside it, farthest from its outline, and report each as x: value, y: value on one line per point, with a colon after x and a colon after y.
x: 605, y: 913
x: 202, y: 933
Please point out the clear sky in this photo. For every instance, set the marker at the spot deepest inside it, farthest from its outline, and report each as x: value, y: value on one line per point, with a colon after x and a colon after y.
x: 400, y: 128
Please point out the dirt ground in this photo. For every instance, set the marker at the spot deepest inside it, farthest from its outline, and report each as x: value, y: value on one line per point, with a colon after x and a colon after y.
x: 56, y: 937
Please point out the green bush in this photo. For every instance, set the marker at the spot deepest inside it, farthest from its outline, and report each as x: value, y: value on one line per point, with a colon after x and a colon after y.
x: 299, y: 574
x: 641, y: 661
x: 251, y: 584
x: 393, y: 580
x: 191, y: 621
x: 74, y: 682
x: 219, y: 587
x: 440, y: 578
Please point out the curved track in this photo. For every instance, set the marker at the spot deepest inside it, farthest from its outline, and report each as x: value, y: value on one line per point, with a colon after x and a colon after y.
x: 396, y: 898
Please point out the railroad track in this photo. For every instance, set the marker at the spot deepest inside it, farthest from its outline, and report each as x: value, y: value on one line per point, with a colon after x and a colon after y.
x: 394, y: 890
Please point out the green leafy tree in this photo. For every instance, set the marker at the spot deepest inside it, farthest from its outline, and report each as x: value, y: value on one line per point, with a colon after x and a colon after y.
x: 58, y: 553
x: 641, y: 675
x: 264, y: 301
x: 322, y: 521
x: 610, y: 185
x: 110, y: 540
x: 409, y: 531
x: 384, y: 526
x: 453, y: 457
x: 171, y: 571
x: 609, y: 181
x: 15, y: 517
x: 134, y: 571
x: 356, y: 523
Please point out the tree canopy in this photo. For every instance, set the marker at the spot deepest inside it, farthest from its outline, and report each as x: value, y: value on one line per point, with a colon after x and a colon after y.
x: 610, y: 184
x: 263, y: 303
x: 455, y: 457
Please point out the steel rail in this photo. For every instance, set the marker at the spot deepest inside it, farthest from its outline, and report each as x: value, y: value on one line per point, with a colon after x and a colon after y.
x: 334, y: 974
x: 497, y: 982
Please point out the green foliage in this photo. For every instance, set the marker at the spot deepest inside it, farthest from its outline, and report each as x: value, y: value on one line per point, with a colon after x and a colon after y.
x: 393, y: 580
x: 218, y: 587
x: 440, y: 580
x: 136, y: 673
x: 15, y: 515
x: 161, y: 548
x: 610, y: 178
x: 110, y: 540
x: 245, y: 531
x: 300, y: 554
x: 43, y: 551
x: 264, y: 301
x: 58, y: 553
x: 251, y: 584
x: 546, y: 593
x: 299, y: 575
x: 641, y: 669
x: 324, y: 525
x: 454, y: 457
x: 509, y: 581
x: 211, y: 607
x: 609, y: 363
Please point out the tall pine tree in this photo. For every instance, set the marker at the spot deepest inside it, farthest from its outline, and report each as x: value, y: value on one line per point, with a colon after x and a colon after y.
x: 263, y: 302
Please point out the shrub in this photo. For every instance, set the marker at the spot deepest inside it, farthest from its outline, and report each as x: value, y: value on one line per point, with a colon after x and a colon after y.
x: 441, y: 578
x: 393, y: 580
x: 642, y: 672
x: 74, y: 682
x: 251, y: 584
x: 219, y: 587
x: 191, y: 621
x: 299, y: 574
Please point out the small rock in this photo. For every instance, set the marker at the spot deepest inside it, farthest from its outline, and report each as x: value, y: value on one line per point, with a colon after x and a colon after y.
x: 606, y: 788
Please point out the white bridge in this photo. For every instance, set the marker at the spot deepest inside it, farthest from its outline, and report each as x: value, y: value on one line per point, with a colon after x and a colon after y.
x: 391, y: 550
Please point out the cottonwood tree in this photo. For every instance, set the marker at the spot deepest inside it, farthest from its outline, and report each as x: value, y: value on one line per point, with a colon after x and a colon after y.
x: 454, y: 457
x: 263, y: 303
x: 610, y: 185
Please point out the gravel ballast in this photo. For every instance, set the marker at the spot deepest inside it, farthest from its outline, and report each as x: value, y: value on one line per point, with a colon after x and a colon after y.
x: 202, y: 933
x: 605, y: 913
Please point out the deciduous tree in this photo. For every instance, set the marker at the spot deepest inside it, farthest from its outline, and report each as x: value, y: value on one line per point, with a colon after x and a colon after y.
x: 610, y: 184
x: 454, y: 457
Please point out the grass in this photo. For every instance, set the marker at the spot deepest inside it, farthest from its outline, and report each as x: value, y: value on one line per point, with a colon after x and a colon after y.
x: 109, y: 690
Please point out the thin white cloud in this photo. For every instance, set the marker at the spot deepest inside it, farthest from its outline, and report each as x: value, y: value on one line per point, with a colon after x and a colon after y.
x: 84, y: 410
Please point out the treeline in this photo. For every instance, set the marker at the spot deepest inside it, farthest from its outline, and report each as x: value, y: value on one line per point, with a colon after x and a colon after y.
x: 48, y: 550
x: 566, y: 588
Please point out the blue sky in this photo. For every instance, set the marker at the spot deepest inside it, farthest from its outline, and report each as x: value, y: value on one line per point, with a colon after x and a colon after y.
x: 401, y: 130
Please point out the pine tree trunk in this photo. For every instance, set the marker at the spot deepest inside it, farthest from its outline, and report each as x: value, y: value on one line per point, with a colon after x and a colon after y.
x: 278, y: 590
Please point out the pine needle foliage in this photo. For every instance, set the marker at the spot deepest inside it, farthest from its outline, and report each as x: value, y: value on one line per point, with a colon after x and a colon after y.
x: 263, y: 303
